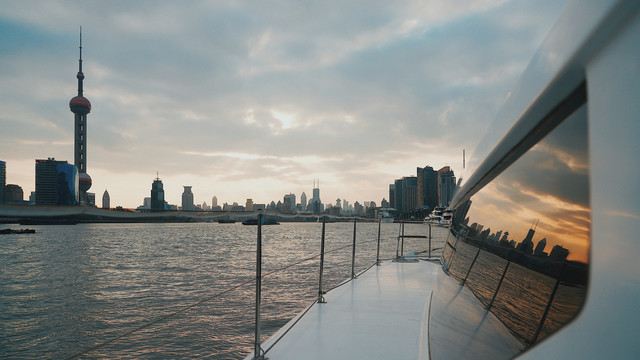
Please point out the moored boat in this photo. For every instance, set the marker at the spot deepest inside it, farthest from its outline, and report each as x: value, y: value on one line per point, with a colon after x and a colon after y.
x: 254, y: 221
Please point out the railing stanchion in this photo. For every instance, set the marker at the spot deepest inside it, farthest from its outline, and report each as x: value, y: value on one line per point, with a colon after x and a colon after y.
x: 353, y: 251
x: 378, y: 251
x: 504, y: 273
x: 429, y: 241
x: 398, y: 242
x: 402, y: 242
x: 471, y: 267
x: 320, y: 292
x: 546, y: 310
x: 257, y: 350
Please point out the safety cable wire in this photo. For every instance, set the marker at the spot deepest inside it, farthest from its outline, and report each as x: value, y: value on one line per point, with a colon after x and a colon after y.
x: 204, y: 300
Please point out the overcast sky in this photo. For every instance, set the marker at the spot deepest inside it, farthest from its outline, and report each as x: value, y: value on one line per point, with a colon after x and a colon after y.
x: 256, y: 99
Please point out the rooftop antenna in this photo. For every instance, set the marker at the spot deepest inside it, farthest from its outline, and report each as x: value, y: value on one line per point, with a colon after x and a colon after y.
x: 463, y: 159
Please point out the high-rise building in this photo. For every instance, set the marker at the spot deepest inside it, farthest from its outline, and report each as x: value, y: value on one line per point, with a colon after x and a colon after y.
x: 249, y: 205
x: 214, y: 202
x: 106, y: 200
x: 358, y: 209
x: 397, y: 198
x: 13, y: 192
x: 91, y: 199
x: 406, y: 194
x: 157, y: 195
x: 526, y: 246
x: 392, y: 195
x: 427, y: 187
x: 446, y: 186
x: 187, y: 199
x: 558, y: 253
x: 289, y: 202
x: 315, y: 205
x: 80, y: 106
x: 539, y: 251
x: 303, y: 201
x: 57, y: 183
x: 3, y: 179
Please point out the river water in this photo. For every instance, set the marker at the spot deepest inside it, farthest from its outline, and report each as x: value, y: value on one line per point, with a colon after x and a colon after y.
x: 82, y: 289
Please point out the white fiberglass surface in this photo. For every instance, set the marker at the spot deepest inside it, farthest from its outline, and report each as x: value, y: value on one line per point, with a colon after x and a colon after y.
x: 608, y: 326
x: 380, y: 315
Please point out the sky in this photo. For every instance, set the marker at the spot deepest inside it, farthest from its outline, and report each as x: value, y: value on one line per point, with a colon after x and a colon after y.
x: 257, y: 99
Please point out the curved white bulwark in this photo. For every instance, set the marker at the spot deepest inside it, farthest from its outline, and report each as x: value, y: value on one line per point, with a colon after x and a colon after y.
x: 415, y: 310
x: 384, y: 314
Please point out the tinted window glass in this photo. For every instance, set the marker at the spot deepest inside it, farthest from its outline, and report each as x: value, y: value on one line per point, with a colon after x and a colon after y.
x: 521, y: 244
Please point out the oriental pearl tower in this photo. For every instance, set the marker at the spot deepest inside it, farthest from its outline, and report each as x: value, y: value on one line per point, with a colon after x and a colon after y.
x: 81, y: 106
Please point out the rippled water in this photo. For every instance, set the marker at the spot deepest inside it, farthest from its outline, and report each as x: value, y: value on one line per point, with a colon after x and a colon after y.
x: 67, y: 289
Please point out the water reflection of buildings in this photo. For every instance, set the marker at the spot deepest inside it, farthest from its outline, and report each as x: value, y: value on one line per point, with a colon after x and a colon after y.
x: 526, y: 252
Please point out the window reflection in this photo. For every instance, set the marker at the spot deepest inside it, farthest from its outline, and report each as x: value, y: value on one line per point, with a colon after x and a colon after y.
x: 521, y: 244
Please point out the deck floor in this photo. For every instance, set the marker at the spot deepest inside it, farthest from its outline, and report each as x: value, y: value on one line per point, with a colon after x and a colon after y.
x: 351, y: 325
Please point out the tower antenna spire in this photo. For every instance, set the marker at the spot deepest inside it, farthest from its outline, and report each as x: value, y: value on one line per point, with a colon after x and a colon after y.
x: 80, y: 47
x: 80, y: 75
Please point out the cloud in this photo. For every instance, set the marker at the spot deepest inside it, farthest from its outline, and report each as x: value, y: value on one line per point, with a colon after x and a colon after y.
x: 354, y: 93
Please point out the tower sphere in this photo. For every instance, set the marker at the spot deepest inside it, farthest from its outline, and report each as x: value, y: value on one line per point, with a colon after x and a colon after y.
x: 80, y: 105
x: 84, y: 181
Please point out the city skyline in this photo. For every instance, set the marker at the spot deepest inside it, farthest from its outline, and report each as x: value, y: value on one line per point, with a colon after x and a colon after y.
x: 247, y: 108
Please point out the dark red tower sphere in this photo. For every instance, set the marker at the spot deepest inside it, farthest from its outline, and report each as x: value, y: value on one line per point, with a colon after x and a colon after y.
x: 84, y: 181
x: 80, y: 105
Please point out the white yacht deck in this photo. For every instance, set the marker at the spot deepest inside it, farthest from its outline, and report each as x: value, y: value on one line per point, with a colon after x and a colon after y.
x: 382, y: 314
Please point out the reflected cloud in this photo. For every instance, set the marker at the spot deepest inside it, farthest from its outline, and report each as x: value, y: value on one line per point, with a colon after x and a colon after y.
x: 547, y: 189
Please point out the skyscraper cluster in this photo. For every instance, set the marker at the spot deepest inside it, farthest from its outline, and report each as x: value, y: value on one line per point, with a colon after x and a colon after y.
x: 418, y: 195
x: 288, y: 204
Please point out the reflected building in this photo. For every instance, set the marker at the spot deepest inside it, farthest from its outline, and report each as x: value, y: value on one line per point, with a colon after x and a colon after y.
x: 57, y: 183
x: 539, y: 250
x: 526, y: 246
x: 558, y: 253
